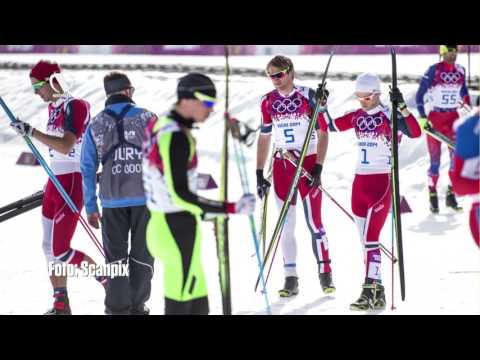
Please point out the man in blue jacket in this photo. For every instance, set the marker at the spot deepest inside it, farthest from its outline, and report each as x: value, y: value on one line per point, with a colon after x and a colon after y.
x: 114, y: 139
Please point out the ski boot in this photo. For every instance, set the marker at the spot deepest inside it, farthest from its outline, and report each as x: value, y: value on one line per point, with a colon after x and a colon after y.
x: 451, y: 201
x: 61, y: 306
x: 371, y: 298
x: 326, y: 283
x: 290, y: 288
x: 433, y: 201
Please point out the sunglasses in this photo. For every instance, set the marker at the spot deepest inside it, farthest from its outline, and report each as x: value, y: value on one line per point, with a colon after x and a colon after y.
x: 207, y: 101
x: 279, y: 74
x: 444, y: 49
x: 38, y: 85
x: 366, y: 97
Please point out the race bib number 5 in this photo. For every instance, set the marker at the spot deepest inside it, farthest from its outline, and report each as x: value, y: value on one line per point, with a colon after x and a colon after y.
x: 292, y: 134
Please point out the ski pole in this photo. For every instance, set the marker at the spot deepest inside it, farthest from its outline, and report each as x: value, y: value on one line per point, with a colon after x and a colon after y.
x: 395, y: 180
x: 440, y: 137
x: 244, y: 181
x: 393, y: 268
x: 263, y: 225
x: 221, y: 223
x: 55, y: 181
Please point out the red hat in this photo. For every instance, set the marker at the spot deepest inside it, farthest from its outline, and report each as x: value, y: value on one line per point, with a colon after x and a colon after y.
x: 44, y: 69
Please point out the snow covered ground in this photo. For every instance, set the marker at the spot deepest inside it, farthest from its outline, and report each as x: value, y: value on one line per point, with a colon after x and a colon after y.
x: 442, y: 264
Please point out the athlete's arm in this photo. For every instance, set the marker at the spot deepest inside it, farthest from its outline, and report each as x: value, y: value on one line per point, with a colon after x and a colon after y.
x: 75, y: 115
x: 422, y: 89
x: 263, y: 147
x: 341, y: 123
x: 174, y: 151
x: 409, y: 125
x: 88, y: 166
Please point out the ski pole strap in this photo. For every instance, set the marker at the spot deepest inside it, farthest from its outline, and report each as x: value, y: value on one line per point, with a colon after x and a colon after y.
x: 285, y: 154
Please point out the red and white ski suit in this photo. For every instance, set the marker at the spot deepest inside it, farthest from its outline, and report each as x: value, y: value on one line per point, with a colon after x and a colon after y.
x: 288, y: 118
x: 371, y: 190
x: 59, y: 222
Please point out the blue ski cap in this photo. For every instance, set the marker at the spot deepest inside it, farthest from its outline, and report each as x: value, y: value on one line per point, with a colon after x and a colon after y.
x: 195, y: 82
x: 368, y: 83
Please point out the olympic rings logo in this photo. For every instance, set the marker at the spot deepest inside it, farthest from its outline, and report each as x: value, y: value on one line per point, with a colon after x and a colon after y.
x: 450, y: 77
x: 369, y: 122
x: 288, y: 105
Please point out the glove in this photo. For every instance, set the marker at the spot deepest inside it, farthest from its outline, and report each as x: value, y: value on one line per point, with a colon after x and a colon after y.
x: 322, y: 94
x: 397, y: 97
x: 246, y: 205
x: 425, y: 123
x: 463, y: 108
x: 316, y: 176
x: 22, y: 128
x: 234, y: 126
x: 262, y: 184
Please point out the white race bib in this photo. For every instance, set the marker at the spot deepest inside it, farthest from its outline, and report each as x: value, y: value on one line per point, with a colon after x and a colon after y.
x: 373, y: 156
x: 290, y: 133
x: 446, y: 96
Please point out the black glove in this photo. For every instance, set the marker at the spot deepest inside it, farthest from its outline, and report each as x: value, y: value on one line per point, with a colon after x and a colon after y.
x: 322, y: 94
x: 396, y: 97
x: 262, y: 184
x: 316, y: 176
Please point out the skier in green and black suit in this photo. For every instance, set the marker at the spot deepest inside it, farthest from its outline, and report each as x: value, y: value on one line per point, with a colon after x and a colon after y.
x: 170, y: 181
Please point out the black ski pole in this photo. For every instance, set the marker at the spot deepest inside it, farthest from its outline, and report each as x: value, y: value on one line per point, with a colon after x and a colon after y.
x: 221, y: 222
x: 395, y: 180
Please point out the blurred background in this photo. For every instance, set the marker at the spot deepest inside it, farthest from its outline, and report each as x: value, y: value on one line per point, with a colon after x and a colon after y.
x: 219, y: 49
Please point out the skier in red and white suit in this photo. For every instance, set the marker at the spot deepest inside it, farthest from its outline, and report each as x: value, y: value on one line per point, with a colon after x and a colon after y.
x: 446, y: 87
x: 68, y: 118
x: 287, y: 112
x: 371, y: 190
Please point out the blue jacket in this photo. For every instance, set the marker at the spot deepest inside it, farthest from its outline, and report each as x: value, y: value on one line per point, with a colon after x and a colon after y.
x: 118, y: 147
